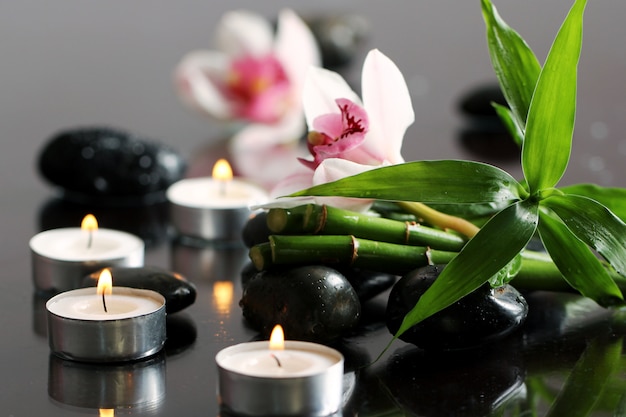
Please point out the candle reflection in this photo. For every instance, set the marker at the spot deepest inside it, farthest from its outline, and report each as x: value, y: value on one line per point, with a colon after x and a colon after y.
x: 208, y: 263
x: 137, y: 387
x: 223, y: 296
x: 107, y: 412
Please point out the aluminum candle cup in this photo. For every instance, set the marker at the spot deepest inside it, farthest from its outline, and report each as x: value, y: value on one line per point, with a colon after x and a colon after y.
x: 211, y: 209
x: 138, y: 386
x: 308, y: 380
x: 61, y: 258
x: 132, y: 328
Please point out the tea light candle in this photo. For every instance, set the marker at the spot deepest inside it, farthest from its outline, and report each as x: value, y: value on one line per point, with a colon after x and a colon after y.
x: 213, y: 208
x: 106, y: 324
x: 259, y: 379
x: 61, y: 258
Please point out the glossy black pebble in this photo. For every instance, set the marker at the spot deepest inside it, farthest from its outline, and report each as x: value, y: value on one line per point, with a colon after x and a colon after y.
x: 477, y: 102
x: 314, y: 303
x: 479, y: 318
x: 109, y: 166
x: 368, y: 284
x: 255, y: 230
x: 178, y: 292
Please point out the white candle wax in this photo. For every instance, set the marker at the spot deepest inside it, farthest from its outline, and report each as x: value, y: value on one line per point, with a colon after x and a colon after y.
x: 278, y: 363
x: 206, y: 192
x: 85, y: 304
x: 72, y: 244
x: 298, y: 359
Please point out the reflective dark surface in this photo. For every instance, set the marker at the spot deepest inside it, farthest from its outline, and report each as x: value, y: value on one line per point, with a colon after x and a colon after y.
x: 73, y: 63
x: 525, y: 371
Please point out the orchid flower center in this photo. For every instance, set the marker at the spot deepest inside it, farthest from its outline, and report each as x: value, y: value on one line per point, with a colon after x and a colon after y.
x: 258, y: 88
x: 335, y: 134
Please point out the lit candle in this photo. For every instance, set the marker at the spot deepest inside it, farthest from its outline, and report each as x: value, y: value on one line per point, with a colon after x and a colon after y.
x: 213, y: 208
x: 106, y: 324
x: 61, y: 258
x: 280, y: 378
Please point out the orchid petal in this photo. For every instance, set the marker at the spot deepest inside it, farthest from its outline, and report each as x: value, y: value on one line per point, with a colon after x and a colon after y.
x: 195, y: 87
x: 328, y: 124
x: 333, y: 169
x: 240, y: 32
x: 301, y: 179
x: 388, y: 104
x: 257, y: 136
x: 266, y: 164
x: 296, y: 48
x: 321, y: 88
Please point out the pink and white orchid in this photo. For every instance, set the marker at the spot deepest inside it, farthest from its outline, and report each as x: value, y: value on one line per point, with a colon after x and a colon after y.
x: 256, y: 76
x: 348, y: 136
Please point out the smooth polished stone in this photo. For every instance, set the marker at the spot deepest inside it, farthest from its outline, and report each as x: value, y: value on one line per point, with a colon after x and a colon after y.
x: 178, y: 292
x: 368, y: 284
x: 255, y: 230
x: 481, y: 317
x: 314, y: 303
x: 477, y: 102
x: 109, y: 166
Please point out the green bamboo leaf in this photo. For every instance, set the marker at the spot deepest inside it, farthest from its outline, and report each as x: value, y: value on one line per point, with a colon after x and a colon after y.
x: 550, y: 124
x: 512, y: 126
x: 579, y: 266
x: 613, y: 198
x: 513, y: 61
x: 497, y: 243
x: 507, y: 273
x: 444, y: 181
x: 588, y: 379
x: 594, y: 224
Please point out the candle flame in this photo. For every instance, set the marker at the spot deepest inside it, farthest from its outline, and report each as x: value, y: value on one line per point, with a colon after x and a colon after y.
x: 222, y: 170
x: 107, y: 412
x: 89, y: 223
x: 277, y: 338
x: 105, y: 283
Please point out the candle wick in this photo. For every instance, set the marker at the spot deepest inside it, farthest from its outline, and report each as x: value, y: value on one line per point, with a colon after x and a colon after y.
x: 89, y: 239
x: 280, y: 365
x: 222, y: 188
x: 104, y: 303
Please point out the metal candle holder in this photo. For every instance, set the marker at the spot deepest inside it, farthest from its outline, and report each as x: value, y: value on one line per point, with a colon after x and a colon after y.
x: 113, y: 340
x: 316, y: 394
x: 199, y: 210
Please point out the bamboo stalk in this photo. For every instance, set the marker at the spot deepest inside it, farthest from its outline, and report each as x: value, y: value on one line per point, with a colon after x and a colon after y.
x: 537, y: 272
x: 344, y: 250
x: 439, y: 219
x: 327, y: 220
x: 286, y: 221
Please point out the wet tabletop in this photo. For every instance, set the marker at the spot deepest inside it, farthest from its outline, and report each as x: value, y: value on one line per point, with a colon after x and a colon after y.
x: 76, y: 64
